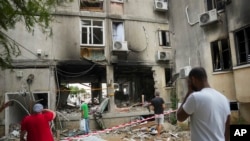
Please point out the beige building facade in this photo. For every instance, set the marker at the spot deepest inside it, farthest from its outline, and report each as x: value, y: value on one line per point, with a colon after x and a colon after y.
x: 142, y: 46
x: 214, y: 34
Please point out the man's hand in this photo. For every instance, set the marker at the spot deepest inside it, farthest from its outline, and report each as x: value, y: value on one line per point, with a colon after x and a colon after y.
x: 190, y: 86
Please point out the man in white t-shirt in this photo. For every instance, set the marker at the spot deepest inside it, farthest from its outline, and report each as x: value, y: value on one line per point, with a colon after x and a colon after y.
x: 208, y: 109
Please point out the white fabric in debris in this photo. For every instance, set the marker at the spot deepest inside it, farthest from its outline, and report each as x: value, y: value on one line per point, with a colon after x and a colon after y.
x: 91, y: 138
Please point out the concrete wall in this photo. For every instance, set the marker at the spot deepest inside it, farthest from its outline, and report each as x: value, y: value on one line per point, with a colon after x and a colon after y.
x: 41, y: 81
x: 191, y: 42
x: 238, y: 17
x: 241, y: 83
x: 224, y: 83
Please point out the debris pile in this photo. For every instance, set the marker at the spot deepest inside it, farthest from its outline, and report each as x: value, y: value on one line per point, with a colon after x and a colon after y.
x: 145, y: 131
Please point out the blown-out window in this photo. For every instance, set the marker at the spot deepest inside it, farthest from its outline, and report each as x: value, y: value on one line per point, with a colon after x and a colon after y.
x: 243, y: 45
x: 92, y: 32
x: 91, y: 5
x: 164, y: 39
x: 215, y: 4
x: 118, y: 31
x: 221, y: 55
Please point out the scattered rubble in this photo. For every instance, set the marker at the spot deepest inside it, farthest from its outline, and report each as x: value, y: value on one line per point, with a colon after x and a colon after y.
x: 140, y: 132
x: 144, y: 131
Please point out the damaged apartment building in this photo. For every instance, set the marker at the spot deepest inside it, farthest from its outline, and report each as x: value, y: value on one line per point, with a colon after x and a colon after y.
x: 134, y: 47
x: 120, y: 43
x: 214, y: 34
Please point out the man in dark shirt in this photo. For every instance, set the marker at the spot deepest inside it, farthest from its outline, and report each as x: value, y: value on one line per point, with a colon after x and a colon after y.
x: 158, y: 107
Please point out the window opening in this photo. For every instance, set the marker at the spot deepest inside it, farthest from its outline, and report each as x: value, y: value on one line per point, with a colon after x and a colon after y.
x: 118, y: 31
x: 221, y: 57
x: 168, y: 77
x: 92, y: 32
x: 93, y: 5
x: 164, y: 39
x: 215, y: 4
x: 242, y: 45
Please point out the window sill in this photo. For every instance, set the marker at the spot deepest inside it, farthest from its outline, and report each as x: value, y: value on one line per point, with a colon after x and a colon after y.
x: 167, y: 47
x: 221, y: 72
x: 91, y: 47
x: 94, y: 9
x: 221, y: 11
x: 241, y: 67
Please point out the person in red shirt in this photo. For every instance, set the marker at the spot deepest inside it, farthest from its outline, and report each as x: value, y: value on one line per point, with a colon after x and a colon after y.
x: 36, y: 125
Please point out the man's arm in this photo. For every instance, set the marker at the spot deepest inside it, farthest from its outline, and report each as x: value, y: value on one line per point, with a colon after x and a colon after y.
x: 181, y: 113
x: 163, y: 106
x: 48, y: 110
x: 227, y: 128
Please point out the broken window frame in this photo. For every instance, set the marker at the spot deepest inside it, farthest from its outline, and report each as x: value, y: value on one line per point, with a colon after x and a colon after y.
x: 115, y: 32
x: 219, y: 5
x: 164, y: 38
x: 242, y: 44
x: 221, y: 55
x: 168, y: 77
x: 90, y: 5
x: 88, y: 30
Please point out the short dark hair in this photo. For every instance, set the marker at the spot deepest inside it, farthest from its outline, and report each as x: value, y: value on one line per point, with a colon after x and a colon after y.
x: 157, y: 93
x: 199, y: 73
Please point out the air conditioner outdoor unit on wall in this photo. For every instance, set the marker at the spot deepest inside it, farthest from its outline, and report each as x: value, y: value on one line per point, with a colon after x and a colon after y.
x: 163, y: 55
x: 208, y: 17
x: 184, y: 72
x: 161, y: 5
x: 120, y: 46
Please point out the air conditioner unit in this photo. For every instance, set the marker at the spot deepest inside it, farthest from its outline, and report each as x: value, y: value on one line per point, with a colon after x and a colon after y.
x: 163, y: 55
x: 161, y: 5
x: 184, y: 72
x: 120, y: 46
x: 208, y: 17
x: 119, y: 1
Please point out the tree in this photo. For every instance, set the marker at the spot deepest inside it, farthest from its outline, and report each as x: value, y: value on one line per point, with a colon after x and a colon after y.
x: 74, y: 90
x: 30, y: 12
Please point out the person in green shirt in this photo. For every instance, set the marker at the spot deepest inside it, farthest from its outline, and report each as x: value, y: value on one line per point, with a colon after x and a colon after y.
x: 85, y: 116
